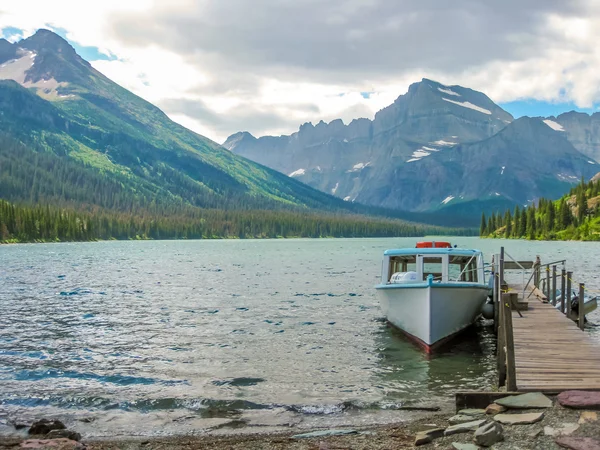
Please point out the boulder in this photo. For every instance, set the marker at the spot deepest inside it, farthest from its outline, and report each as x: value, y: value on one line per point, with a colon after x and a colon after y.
x: 525, y: 401
x: 519, y: 419
x: 580, y: 399
x: 45, y: 426
x: 464, y: 427
x: 494, y: 409
x: 488, y: 434
x: 578, y: 443
x: 68, y: 434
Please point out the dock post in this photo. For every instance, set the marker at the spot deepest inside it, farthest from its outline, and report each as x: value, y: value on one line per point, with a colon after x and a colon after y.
x: 581, y: 306
x: 563, y: 275
x: 511, y: 371
x: 554, y: 285
x: 569, y: 293
x: 495, y: 294
x: 536, y: 268
x: 501, y: 350
x: 547, y: 282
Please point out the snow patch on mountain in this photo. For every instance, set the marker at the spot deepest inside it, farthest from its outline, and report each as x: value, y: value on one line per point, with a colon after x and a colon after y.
x: 334, y: 190
x: 358, y: 167
x: 554, y: 125
x: 469, y: 105
x: 16, y: 69
x: 449, y: 92
x: 442, y: 142
x: 297, y: 173
x: 502, y: 172
x: 448, y: 199
x: 591, y: 162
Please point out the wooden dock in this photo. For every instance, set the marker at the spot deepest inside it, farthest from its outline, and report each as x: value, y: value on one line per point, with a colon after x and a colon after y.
x: 551, y: 353
x: 539, y: 348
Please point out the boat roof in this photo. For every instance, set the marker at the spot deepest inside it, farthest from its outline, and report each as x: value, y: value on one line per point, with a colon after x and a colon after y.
x: 431, y: 251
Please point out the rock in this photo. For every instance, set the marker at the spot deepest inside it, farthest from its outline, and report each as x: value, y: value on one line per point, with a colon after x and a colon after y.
x: 525, y: 401
x: 488, y: 434
x: 564, y: 430
x: 425, y: 437
x: 588, y: 416
x: 459, y: 418
x: 494, y: 409
x: 471, y: 412
x: 422, y: 438
x: 54, y: 434
x: 535, y: 432
x: 464, y: 427
x: 461, y: 446
x: 324, y: 433
x: 578, y: 443
x: 18, y: 424
x: 519, y: 419
x: 54, y: 444
x: 580, y: 399
x: 44, y: 426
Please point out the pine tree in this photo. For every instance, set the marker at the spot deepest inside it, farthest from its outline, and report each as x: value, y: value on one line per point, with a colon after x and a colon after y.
x: 483, y: 226
x: 508, y: 224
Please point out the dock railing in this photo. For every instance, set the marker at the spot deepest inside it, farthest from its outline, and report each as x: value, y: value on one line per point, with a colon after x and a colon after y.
x: 504, y: 302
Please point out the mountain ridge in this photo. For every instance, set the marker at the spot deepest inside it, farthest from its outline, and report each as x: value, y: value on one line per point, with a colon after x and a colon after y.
x: 390, y: 161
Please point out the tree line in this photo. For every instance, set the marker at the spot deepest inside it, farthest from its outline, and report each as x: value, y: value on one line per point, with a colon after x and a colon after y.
x: 23, y: 223
x: 574, y: 216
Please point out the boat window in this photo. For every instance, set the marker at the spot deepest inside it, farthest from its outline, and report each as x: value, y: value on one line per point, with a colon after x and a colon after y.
x: 405, y: 263
x: 463, y: 268
x: 433, y: 266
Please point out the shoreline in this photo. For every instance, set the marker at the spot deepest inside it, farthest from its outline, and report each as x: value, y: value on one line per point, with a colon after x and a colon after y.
x: 553, y: 424
x: 382, y: 436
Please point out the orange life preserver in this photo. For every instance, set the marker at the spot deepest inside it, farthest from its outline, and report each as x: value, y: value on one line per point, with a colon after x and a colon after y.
x: 433, y: 244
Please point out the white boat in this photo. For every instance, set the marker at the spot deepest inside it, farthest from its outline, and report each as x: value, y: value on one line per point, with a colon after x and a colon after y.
x: 433, y: 291
x: 589, y: 303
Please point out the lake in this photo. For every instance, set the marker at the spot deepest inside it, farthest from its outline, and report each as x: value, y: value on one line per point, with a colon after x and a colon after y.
x: 177, y: 336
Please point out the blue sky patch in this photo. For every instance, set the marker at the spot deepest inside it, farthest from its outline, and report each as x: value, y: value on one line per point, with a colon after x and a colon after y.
x: 87, y: 53
x: 10, y: 32
x: 536, y: 108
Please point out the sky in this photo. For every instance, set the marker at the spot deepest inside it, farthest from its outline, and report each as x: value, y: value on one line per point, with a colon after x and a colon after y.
x: 267, y: 66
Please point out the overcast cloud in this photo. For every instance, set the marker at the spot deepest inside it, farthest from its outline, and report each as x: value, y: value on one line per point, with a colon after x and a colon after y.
x: 266, y: 66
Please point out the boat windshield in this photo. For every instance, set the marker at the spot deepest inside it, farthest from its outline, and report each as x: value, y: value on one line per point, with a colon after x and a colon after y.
x: 460, y: 268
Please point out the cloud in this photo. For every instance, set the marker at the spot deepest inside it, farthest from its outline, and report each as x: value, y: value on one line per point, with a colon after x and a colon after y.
x: 266, y: 66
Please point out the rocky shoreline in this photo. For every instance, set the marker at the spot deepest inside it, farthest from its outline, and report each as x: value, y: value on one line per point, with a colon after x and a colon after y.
x: 526, y: 421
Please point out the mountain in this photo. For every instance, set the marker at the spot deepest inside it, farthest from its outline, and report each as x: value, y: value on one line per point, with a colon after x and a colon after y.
x: 436, y: 147
x: 57, y: 113
x: 582, y: 130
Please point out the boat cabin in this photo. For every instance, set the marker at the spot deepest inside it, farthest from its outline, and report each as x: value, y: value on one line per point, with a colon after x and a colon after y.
x: 446, y: 265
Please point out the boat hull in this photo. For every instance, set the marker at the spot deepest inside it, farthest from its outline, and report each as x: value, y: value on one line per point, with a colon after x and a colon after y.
x: 432, y: 314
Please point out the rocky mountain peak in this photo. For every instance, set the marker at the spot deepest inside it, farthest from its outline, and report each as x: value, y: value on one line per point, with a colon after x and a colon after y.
x: 46, y: 40
x: 240, y: 138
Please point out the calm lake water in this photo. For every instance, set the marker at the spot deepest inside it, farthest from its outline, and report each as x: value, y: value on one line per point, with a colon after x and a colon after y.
x: 176, y: 336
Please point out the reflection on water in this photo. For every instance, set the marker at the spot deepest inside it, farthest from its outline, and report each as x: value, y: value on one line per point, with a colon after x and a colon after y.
x: 467, y: 362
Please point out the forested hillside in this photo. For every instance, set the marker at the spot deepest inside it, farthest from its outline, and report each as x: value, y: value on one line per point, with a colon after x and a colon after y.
x: 575, y: 216
x: 52, y: 224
